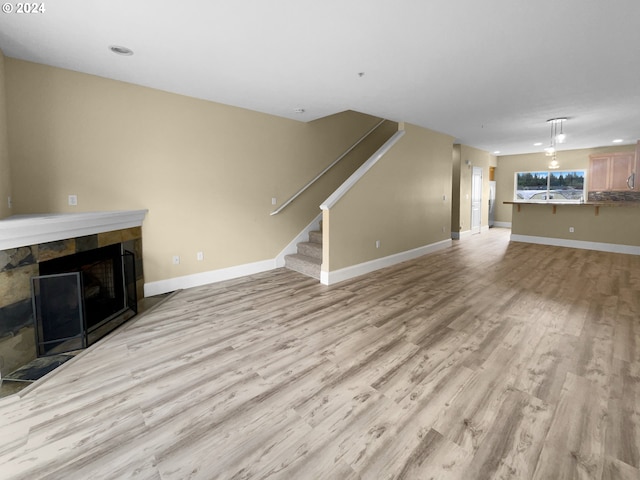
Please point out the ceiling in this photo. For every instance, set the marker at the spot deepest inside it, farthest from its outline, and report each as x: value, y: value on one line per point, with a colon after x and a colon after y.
x: 490, y: 73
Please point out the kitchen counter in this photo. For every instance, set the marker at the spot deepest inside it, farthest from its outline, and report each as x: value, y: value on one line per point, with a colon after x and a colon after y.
x: 595, y: 205
x: 587, y: 204
x: 604, y: 226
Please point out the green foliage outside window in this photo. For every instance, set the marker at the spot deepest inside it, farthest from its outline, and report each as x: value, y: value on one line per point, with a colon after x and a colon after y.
x: 557, y: 186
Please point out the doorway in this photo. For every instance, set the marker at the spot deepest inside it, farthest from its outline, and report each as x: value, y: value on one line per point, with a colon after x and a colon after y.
x: 476, y: 200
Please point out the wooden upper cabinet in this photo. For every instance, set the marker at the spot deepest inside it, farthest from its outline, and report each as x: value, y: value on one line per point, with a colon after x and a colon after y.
x: 622, y: 167
x: 613, y: 171
x: 599, y: 173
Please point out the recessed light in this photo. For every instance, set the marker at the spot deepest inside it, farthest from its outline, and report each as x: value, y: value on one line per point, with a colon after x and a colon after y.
x: 537, y: 144
x: 618, y: 140
x: 298, y: 110
x: 120, y: 50
x: 496, y: 152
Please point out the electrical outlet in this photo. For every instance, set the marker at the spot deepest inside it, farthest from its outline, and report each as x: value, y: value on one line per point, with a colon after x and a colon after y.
x: 274, y: 201
x: 73, y: 200
x: 200, y: 256
x: 377, y: 243
x: 176, y: 259
x: 571, y: 230
x: 9, y: 202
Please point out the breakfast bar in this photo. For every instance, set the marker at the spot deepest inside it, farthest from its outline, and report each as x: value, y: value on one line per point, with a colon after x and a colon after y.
x: 604, y: 226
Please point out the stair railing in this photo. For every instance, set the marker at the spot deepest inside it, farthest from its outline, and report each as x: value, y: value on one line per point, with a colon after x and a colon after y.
x: 317, y: 177
x: 361, y: 171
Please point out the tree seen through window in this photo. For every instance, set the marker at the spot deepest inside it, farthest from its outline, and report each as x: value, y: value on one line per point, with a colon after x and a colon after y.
x: 557, y: 186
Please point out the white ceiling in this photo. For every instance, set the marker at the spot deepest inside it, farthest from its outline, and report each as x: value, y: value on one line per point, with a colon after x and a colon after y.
x: 489, y: 73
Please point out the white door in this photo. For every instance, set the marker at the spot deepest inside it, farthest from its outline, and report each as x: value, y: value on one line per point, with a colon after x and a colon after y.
x: 476, y: 199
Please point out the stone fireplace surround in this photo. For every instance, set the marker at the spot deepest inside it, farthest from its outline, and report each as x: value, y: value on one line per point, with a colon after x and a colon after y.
x: 27, y: 240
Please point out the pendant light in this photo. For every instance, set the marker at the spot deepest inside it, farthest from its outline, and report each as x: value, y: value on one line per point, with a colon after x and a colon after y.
x: 557, y: 136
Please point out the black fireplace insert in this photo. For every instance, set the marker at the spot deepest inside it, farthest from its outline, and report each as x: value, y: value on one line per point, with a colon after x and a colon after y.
x: 77, y: 299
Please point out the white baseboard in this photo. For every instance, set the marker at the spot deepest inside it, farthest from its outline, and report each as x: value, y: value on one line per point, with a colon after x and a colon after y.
x: 563, y: 242
x: 327, y: 278
x: 460, y: 235
x: 468, y: 233
x: 331, y: 278
x: 204, y: 278
x: 303, y: 236
x: 502, y: 224
x: 213, y: 276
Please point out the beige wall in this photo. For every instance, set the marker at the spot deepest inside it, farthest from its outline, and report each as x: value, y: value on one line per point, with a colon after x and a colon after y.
x: 5, y: 170
x: 462, y: 198
x: 399, y: 202
x: 206, y: 172
x: 508, y: 165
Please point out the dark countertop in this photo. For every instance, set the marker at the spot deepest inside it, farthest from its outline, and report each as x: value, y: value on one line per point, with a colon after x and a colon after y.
x: 571, y: 204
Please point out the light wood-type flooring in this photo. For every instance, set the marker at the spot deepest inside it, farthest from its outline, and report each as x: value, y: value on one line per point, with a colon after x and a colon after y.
x: 488, y: 360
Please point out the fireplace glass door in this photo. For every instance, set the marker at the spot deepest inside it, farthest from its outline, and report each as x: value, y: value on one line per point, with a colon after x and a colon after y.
x: 80, y: 298
x: 60, y: 315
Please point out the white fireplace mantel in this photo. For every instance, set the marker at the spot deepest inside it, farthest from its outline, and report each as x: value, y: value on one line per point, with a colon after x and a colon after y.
x: 23, y: 230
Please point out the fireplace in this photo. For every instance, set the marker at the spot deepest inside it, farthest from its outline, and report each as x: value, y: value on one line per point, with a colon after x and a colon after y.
x: 28, y: 241
x: 79, y: 298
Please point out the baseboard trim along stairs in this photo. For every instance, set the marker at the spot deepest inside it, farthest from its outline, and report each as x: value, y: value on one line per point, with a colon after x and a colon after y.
x: 308, y: 259
x: 347, y: 273
x: 326, y: 278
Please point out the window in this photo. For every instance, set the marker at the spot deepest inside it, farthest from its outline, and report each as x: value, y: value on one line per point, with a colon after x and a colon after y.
x: 566, y: 186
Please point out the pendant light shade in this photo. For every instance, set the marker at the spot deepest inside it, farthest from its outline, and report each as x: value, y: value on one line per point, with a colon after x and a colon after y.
x: 557, y: 136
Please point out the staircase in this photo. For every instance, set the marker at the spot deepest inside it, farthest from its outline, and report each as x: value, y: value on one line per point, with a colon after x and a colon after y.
x: 309, y: 257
